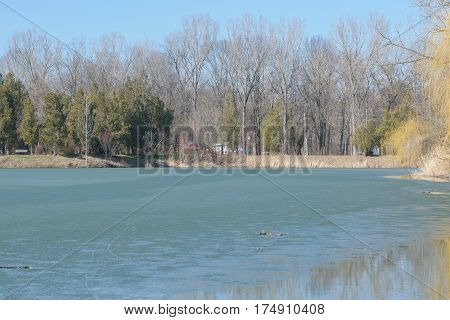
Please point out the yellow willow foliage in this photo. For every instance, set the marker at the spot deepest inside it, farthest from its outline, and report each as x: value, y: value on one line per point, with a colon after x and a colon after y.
x: 437, y: 85
x: 410, y: 141
x: 437, y: 79
x: 441, y: 281
x: 427, y: 143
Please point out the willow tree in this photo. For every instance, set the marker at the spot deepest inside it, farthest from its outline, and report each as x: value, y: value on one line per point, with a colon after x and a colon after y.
x: 437, y: 84
x: 425, y: 138
x: 438, y: 80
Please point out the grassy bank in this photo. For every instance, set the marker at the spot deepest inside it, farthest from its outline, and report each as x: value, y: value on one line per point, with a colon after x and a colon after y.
x: 50, y: 161
x: 280, y: 161
x: 272, y: 161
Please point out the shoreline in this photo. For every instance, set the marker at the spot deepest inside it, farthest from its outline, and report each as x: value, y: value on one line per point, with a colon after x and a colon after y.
x: 422, y: 177
x: 235, y: 161
x: 272, y: 161
x: 292, y: 161
x: 55, y: 162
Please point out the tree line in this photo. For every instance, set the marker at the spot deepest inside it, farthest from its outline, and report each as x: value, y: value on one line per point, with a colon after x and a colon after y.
x: 299, y: 94
x: 91, y: 119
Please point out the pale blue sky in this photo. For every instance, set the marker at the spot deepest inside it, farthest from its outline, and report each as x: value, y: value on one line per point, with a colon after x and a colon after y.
x: 153, y: 20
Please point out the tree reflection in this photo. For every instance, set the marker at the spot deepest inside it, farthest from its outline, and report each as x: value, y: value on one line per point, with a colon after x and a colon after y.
x: 417, y: 271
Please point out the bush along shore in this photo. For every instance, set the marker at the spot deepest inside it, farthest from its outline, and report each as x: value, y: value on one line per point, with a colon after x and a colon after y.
x: 291, y: 161
x: 236, y: 161
x: 250, y: 161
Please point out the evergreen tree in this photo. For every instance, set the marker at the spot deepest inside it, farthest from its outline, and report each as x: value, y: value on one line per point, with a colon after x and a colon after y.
x: 54, y: 132
x: 7, y: 127
x: 80, y: 119
x: 12, y: 95
x: 136, y: 107
x: 272, y: 129
x: 111, y: 127
x: 230, y: 123
x: 29, y: 125
x: 74, y: 118
x: 366, y: 138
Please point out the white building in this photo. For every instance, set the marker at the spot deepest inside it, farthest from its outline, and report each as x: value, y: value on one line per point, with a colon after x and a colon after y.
x: 220, y: 148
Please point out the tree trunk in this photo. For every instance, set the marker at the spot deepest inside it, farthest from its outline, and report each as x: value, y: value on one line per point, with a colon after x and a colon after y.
x: 305, y: 138
x: 244, y: 141
x: 285, y: 144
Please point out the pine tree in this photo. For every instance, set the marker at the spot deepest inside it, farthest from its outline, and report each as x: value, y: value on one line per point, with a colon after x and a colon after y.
x: 7, y: 128
x: 230, y: 124
x: 272, y: 128
x: 54, y: 132
x: 29, y: 125
x: 12, y: 94
x: 103, y: 126
x: 80, y: 120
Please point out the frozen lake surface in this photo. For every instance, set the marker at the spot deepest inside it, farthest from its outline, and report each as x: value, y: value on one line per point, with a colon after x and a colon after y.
x: 117, y: 234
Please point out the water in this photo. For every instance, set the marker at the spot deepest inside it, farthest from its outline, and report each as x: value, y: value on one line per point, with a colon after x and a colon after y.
x: 114, y: 234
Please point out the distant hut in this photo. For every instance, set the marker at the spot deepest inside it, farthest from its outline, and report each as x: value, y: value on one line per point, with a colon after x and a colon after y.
x: 376, y: 151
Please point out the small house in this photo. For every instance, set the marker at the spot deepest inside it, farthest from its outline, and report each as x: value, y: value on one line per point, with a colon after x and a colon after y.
x: 376, y: 151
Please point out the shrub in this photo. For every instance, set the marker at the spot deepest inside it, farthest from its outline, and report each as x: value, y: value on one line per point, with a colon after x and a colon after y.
x: 392, y: 120
x: 366, y: 138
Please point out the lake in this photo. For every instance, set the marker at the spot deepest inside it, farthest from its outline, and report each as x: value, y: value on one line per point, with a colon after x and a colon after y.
x: 222, y: 234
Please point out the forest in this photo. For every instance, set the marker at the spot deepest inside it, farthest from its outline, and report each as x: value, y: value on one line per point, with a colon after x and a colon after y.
x: 267, y: 87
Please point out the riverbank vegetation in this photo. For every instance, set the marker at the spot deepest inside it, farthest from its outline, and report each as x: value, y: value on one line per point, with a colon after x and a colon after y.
x: 51, y: 161
x: 292, y: 161
x: 227, y: 161
x: 266, y: 87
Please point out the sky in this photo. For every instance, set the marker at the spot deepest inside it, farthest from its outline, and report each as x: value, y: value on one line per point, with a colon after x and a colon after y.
x: 140, y: 20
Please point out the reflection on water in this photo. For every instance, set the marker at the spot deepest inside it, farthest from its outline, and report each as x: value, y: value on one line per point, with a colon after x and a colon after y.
x: 415, y: 176
x: 418, y: 271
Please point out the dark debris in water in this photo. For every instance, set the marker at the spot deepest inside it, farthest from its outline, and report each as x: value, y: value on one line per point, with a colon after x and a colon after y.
x: 266, y: 233
x: 432, y: 193
x: 16, y: 267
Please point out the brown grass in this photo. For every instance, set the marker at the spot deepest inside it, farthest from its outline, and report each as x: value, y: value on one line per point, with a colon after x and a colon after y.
x: 280, y: 161
x: 49, y: 161
x: 267, y: 161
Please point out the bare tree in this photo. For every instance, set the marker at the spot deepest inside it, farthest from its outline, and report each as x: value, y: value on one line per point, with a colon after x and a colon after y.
x: 285, y: 67
x: 112, y: 60
x: 248, y: 52
x: 188, y: 51
x: 219, y: 73
x: 71, y: 69
x: 154, y: 65
x: 33, y: 56
x: 317, y: 88
x: 354, y: 70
